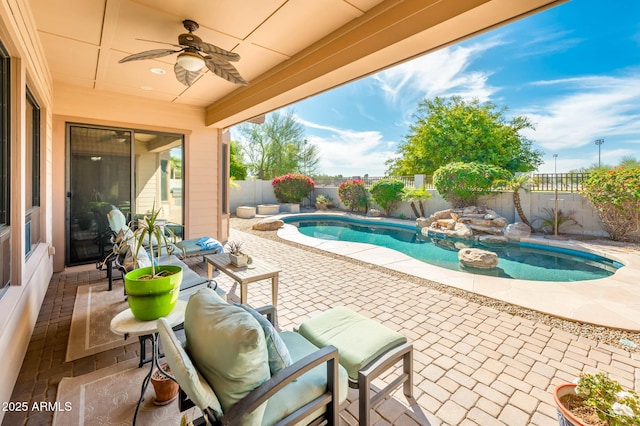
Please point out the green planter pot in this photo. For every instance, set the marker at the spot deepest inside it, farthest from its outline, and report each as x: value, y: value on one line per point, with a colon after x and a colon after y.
x: 150, y: 299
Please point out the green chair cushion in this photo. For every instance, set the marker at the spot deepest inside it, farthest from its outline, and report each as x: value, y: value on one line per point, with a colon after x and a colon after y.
x: 185, y: 373
x: 360, y: 340
x: 307, y: 387
x: 228, y: 347
x: 279, y: 357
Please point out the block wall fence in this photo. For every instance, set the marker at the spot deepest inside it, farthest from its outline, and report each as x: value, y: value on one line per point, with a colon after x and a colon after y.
x: 254, y: 192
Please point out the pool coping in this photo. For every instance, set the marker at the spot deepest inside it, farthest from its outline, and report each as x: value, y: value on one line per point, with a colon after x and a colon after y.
x: 611, y: 302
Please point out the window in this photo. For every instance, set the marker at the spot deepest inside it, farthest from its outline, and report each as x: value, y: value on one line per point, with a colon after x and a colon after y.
x: 32, y: 172
x: 5, y: 239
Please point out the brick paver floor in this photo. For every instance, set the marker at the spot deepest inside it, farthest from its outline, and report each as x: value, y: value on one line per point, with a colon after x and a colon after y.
x: 473, y: 365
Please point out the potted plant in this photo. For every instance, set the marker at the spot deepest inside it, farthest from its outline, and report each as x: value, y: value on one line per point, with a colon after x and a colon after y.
x: 152, y: 291
x: 236, y: 255
x: 594, y: 400
x: 166, y: 388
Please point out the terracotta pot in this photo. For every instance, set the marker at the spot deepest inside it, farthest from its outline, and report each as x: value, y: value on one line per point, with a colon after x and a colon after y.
x: 165, y: 388
x: 565, y: 418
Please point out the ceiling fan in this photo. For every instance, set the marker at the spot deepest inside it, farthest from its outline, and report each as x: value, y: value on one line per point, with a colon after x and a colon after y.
x: 193, y: 55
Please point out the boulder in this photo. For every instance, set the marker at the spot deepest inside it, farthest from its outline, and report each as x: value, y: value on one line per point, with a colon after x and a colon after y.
x: 486, y: 229
x: 477, y: 258
x: 492, y: 239
x: 423, y: 222
x: 268, y: 225
x: 516, y: 231
x: 374, y: 213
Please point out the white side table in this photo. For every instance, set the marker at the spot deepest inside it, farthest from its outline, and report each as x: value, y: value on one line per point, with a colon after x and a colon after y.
x: 125, y: 324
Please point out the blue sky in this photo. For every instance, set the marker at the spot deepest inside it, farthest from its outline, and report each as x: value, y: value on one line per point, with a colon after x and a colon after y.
x: 574, y: 70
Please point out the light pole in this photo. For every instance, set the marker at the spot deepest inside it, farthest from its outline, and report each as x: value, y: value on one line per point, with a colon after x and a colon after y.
x: 555, y: 210
x: 599, y: 142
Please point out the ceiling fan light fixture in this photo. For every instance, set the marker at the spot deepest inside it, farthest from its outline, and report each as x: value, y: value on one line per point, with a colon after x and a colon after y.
x: 190, y: 61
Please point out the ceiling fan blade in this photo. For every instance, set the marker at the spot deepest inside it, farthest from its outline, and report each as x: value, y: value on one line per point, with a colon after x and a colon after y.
x: 220, y: 67
x: 160, y: 42
x: 184, y: 76
x: 149, y: 54
x: 215, y: 50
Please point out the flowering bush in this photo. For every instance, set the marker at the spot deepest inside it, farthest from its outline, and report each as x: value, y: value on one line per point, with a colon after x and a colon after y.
x: 353, y: 194
x: 612, y: 403
x: 292, y: 187
x: 616, y: 195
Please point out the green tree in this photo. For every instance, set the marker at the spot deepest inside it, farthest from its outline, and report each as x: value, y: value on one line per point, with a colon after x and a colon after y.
x: 237, y: 169
x: 416, y: 196
x: 277, y: 147
x: 462, y: 183
x: 449, y: 130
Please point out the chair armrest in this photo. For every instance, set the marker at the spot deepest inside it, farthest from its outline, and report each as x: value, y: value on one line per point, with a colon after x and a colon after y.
x: 268, y: 311
x: 328, y: 354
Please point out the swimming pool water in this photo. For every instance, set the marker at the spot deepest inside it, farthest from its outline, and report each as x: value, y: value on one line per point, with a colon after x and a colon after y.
x: 520, y: 261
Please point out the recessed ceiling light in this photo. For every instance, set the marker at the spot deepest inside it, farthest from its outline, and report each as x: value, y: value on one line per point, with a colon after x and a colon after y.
x: 158, y: 71
x: 146, y: 87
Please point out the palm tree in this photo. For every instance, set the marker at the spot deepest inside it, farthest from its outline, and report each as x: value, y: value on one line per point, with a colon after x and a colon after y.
x: 516, y: 184
x: 416, y: 195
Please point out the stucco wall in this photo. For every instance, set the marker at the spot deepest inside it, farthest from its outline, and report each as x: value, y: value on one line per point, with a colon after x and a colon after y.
x: 30, y: 277
x: 254, y: 192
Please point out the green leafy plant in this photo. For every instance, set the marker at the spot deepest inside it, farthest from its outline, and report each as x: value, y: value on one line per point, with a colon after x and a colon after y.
x: 416, y: 196
x: 462, y: 183
x: 616, y: 196
x: 612, y: 403
x: 323, y: 202
x: 292, y: 187
x: 353, y: 194
x: 387, y: 193
x: 548, y: 221
x: 150, y: 233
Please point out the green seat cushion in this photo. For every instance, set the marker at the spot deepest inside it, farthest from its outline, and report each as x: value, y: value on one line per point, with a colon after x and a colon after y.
x: 307, y: 387
x: 227, y: 345
x: 279, y: 357
x: 360, y: 340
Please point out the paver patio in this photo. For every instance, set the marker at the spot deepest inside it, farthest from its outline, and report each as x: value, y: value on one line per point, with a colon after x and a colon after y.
x: 473, y: 365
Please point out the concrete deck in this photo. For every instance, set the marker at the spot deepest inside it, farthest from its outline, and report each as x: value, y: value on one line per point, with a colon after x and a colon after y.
x: 611, y: 302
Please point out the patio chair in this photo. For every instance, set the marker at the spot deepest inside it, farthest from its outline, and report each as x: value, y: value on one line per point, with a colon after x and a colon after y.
x: 234, y: 367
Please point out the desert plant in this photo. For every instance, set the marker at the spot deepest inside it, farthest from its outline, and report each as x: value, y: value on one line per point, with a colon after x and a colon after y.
x: 149, y: 233
x: 548, y: 221
x: 616, y: 196
x: 462, y: 183
x: 516, y: 184
x: 387, y: 193
x: 416, y: 196
x: 323, y: 202
x: 353, y: 194
x: 292, y: 187
x: 234, y: 247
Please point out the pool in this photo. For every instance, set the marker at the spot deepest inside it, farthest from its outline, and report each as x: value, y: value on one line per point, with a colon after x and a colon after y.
x: 524, y: 261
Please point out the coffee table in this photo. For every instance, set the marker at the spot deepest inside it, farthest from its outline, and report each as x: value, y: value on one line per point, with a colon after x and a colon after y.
x: 256, y: 271
x: 125, y: 324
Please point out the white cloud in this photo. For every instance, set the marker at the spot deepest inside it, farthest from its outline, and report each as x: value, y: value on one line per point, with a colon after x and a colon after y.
x: 350, y: 152
x: 441, y: 73
x: 598, y: 107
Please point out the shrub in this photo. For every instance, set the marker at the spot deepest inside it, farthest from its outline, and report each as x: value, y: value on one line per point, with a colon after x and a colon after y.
x: 353, y: 194
x: 616, y: 196
x: 323, y: 202
x: 387, y: 193
x: 292, y: 187
x: 462, y: 183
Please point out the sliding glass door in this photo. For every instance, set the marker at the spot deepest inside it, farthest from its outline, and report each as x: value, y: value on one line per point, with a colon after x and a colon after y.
x: 127, y: 169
